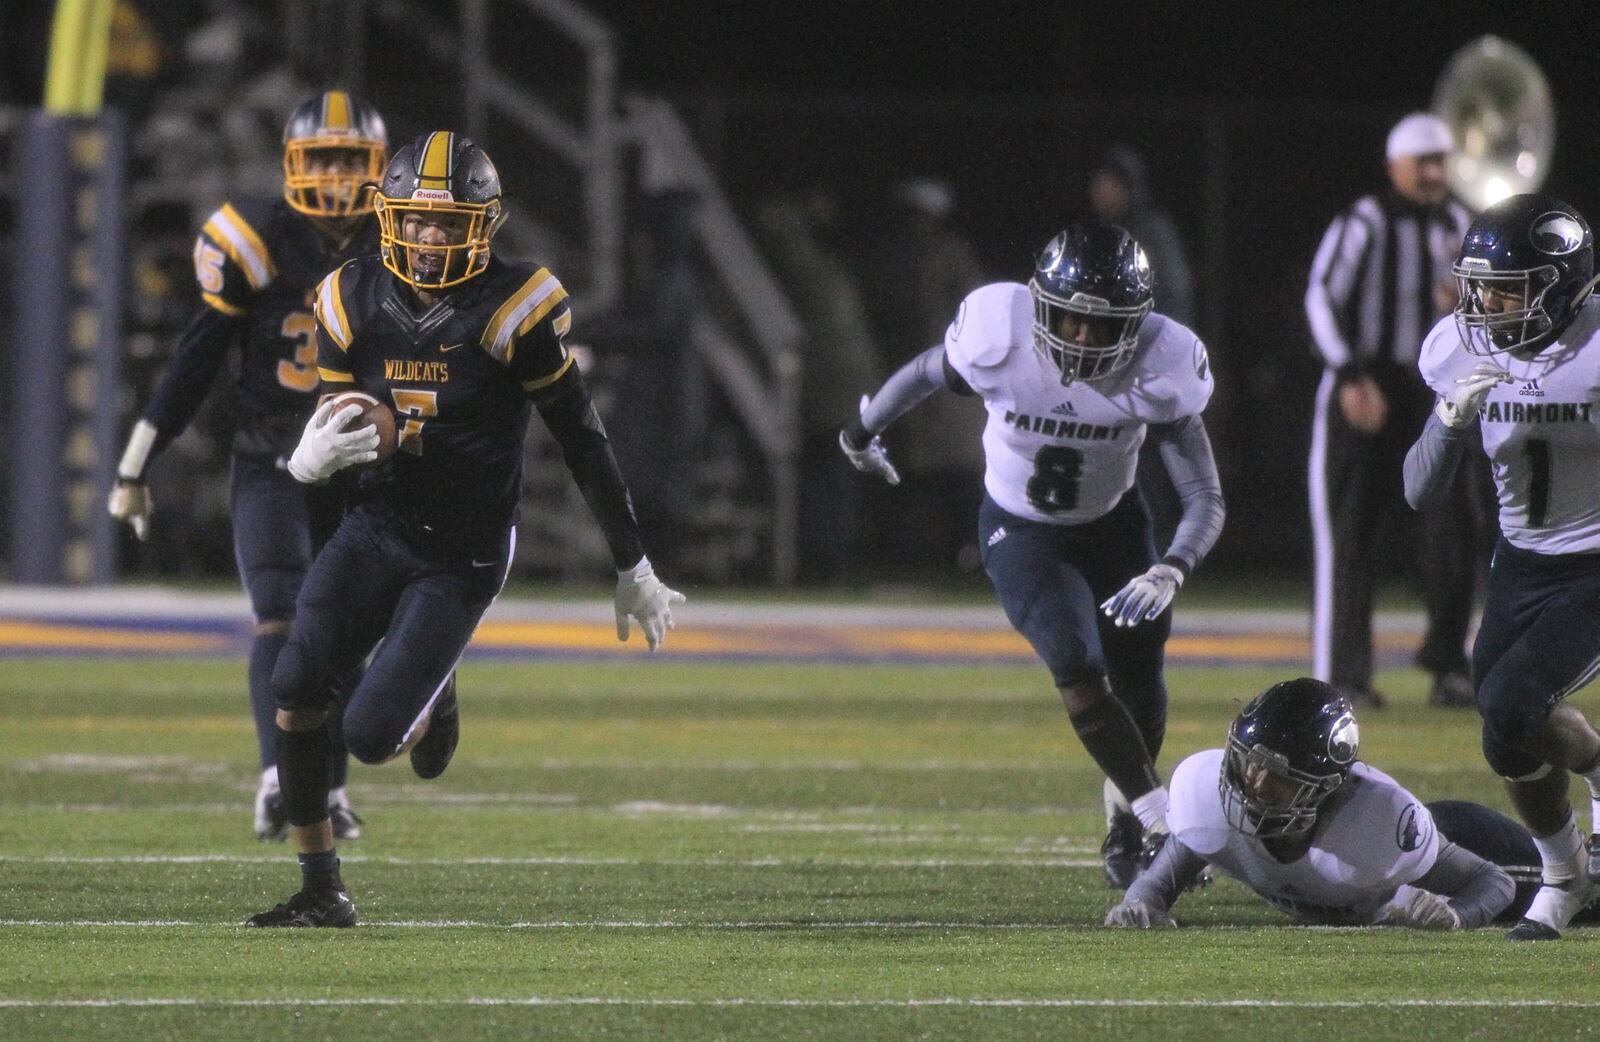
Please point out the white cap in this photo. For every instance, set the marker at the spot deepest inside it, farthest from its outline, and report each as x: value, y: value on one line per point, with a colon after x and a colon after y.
x: 1419, y: 134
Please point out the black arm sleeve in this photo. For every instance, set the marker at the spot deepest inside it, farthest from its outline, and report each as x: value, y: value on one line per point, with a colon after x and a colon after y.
x: 566, y: 408
x: 190, y: 374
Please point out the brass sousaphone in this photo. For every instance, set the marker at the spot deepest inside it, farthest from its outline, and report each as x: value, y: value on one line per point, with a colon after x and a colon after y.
x: 1497, y: 101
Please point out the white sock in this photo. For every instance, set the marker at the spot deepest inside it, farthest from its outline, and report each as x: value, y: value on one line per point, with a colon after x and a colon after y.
x: 337, y: 797
x: 1559, y: 851
x: 269, y: 777
x: 1116, y: 803
x: 1593, y: 778
x: 1152, y: 809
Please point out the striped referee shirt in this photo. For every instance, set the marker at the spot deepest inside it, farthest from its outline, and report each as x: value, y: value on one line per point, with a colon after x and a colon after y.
x: 1370, y: 297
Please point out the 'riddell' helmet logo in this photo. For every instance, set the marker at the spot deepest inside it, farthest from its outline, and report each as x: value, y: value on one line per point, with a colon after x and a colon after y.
x: 1556, y: 233
x: 435, y: 194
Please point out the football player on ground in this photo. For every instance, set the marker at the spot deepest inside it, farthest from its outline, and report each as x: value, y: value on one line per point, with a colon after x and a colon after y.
x: 1288, y: 810
x: 1075, y: 371
x: 258, y: 263
x: 464, y: 346
x: 1521, y: 359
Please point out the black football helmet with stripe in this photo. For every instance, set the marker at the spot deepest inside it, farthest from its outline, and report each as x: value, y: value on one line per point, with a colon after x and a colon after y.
x: 1524, y: 269
x: 438, y: 208
x: 334, y: 150
x: 1288, y: 751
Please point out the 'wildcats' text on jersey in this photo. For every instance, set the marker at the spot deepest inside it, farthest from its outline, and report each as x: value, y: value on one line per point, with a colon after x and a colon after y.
x: 1374, y: 837
x: 1541, y: 430
x: 1066, y: 454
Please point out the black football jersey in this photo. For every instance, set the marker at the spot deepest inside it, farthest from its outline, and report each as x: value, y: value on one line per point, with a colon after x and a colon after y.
x: 458, y: 375
x: 260, y: 261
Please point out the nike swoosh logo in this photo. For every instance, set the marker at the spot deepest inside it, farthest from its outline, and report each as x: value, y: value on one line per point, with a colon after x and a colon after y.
x: 443, y: 348
x: 484, y: 564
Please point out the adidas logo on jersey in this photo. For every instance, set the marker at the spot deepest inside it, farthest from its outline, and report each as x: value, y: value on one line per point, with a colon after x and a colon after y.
x: 999, y: 534
x: 1531, y: 389
x: 1064, y: 409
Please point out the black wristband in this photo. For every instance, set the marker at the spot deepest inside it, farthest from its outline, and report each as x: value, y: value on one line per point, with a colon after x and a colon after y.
x: 856, y: 435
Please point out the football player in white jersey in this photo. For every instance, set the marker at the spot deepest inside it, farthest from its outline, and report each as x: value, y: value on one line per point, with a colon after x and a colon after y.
x: 1075, y: 371
x: 1521, y: 358
x: 1288, y: 810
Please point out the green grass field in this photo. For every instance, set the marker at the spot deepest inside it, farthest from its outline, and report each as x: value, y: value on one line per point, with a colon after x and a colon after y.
x: 665, y: 850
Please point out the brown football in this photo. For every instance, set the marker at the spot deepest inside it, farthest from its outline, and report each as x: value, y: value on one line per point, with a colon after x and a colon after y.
x: 373, y: 413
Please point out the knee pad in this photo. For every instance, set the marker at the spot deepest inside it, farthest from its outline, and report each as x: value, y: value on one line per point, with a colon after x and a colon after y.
x: 273, y: 591
x: 368, y: 738
x: 295, y: 684
x: 1509, y: 761
x: 1511, y: 718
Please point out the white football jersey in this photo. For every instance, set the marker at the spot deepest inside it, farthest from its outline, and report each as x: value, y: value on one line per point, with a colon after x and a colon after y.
x: 1541, y: 431
x: 1374, y: 837
x: 1066, y: 455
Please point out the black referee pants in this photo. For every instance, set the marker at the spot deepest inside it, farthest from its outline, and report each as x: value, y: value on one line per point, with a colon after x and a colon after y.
x: 1357, y: 506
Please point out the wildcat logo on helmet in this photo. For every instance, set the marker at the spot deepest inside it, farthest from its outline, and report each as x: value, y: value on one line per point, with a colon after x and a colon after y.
x: 1343, y: 740
x: 1556, y: 233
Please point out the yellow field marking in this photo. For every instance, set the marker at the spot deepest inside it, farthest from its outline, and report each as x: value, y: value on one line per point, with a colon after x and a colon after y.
x: 97, y: 638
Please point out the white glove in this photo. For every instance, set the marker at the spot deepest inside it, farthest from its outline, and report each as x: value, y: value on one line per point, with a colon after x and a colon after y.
x: 1145, y: 597
x: 1420, y: 910
x: 1460, y: 407
x: 130, y: 502
x: 1138, y: 915
x: 648, y: 599
x: 874, y: 459
x: 325, y: 449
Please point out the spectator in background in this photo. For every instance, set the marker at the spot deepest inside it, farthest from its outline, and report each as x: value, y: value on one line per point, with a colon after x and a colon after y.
x: 1119, y: 192
x: 922, y: 271
x: 1380, y: 280
x: 839, y: 354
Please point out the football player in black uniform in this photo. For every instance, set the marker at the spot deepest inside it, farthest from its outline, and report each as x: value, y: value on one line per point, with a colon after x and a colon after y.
x: 463, y: 346
x: 258, y: 263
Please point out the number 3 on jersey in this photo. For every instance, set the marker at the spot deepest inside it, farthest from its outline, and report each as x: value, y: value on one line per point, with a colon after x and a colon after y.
x: 416, y: 407
x: 1054, y: 485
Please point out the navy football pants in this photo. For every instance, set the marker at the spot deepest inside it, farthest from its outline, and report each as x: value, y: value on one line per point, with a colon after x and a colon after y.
x: 1051, y: 580
x: 373, y: 583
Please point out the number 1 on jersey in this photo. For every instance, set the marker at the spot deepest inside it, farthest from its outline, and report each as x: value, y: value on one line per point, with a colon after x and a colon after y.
x: 1538, y: 451
x: 416, y: 407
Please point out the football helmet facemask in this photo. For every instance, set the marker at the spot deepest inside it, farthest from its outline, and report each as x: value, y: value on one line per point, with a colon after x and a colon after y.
x: 1092, y: 290
x: 1288, y: 751
x: 438, y: 207
x: 1525, y: 268
x: 334, y: 150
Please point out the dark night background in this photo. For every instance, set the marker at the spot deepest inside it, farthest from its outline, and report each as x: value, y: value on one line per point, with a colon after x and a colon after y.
x: 1259, y: 122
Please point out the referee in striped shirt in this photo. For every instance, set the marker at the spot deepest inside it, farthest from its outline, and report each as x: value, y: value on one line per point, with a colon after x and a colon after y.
x: 1380, y: 280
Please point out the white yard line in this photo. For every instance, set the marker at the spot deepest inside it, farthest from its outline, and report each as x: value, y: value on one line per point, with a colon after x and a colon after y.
x: 781, y: 1003
x: 771, y: 862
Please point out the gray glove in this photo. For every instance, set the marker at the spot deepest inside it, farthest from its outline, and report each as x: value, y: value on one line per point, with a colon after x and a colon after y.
x: 1137, y: 915
x: 874, y: 459
x: 1420, y: 910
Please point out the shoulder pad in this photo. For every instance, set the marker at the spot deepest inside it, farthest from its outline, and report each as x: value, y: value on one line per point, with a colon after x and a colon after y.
x: 238, y: 231
x: 1194, y: 808
x: 330, y: 308
x: 990, y: 322
x: 1440, y: 359
x: 535, y: 296
x: 1175, y: 372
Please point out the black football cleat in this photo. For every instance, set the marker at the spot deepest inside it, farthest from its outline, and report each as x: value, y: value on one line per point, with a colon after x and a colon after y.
x: 1122, y: 853
x: 1532, y: 930
x: 272, y: 816
x: 346, y: 822
x: 1592, y: 869
x: 432, y: 753
x: 1452, y: 691
x: 322, y: 907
